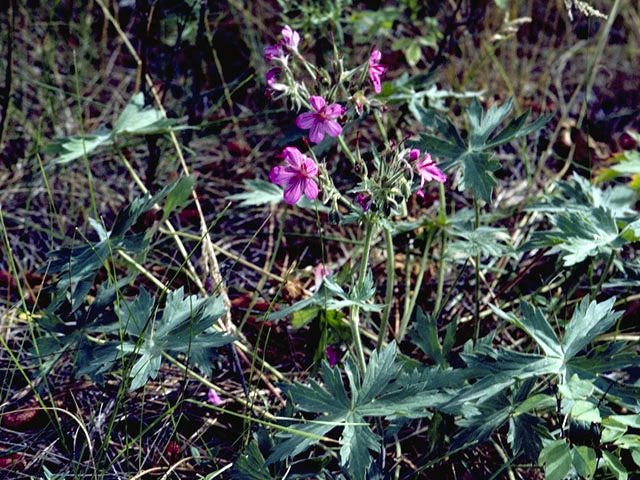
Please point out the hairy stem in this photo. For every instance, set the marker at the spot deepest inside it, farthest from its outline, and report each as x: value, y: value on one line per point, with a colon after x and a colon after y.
x: 388, y: 299
x: 442, y: 220
x: 355, y: 311
x: 416, y: 290
x: 476, y: 324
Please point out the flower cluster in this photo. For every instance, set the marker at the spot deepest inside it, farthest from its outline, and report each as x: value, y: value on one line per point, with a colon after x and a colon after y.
x: 390, y: 185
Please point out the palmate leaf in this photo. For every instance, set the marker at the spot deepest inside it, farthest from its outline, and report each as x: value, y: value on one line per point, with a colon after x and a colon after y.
x: 80, y: 264
x: 587, y: 220
x: 578, y: 236
x: 69, y: 149
x: 473, y: 157
x: 587, y: 322
x: 497, y: 370
x: 484, y: 241
x: 135, y: 119
x: 332, y: 296
x: 184, y: 327
x: 384, y: 391
x: 578, y: 195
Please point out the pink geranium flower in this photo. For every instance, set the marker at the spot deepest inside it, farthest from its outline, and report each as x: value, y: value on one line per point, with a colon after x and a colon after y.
x: 291, y: 37
x: 426, y: 168
x: 364, y: 199
x: 320, y: 121
x: 333, y: 355
x: 213, y: 397
x: 272, y: 51
x: 271, y: 80
x: 376, y: 70
x: 297, y: 177
x: 319, y: 272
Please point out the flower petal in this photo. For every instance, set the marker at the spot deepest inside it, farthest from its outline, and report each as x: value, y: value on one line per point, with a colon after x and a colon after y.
x: 310, y: 166
x: 332, y: 128
x: 310, y: 188
x: 293, y: 156
x: 282, y: 175
x: 317, y: 103
x: 305, y: 120
x: 316, y: 134
x: 334, y: 110
x: 377, y: 86
x: 293, y: 192
x: 414, y: 154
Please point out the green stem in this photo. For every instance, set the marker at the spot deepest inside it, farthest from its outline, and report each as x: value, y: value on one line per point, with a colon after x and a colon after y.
x: 355, y: 311
x: 383, y: 132
x: 442, y: 220
x: 388, y: 299
x: 476, y: 325
x: 607, y: 267
x: 416, y: 291
x: 346, y: 150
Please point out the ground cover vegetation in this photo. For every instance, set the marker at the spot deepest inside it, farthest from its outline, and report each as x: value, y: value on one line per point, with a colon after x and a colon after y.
x: 313, y: 239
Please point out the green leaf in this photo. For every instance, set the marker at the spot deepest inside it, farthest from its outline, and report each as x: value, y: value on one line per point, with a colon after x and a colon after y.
x: 356, y: 442
x: 184, y: 327
x: 483, y: 124
x: 523, y: 436
x: 535, y: 324
x: 383, y: 392
x: 300, y: 318
x: 72, y: 148
x: 584, y: 411
x: 539, y: 401
x: 588, y: 321
x: 250, y: 465
x: 584, y: 460
x: 614, y: 464
x: 425, y: 336
x: 484, y: 241
x: 635, y: 455
x: 628, y: 420
x: 135, y: 119
x: 576, y: 389
x: 258, y: 192
x: 556, y: 458
x: 612, y: 430
x: 413, y: 54
x: 477, y: 174
x: 477, y: 163
x: 179, y: 196
x: 438, y: 147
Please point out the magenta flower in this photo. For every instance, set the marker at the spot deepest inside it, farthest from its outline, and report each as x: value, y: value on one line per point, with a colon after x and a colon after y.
x: 319, y: 272
x: 427, y: 169
x: 364, y: 199
x: 272, y: 51
x: 297, y: 177
x: 213, y: 397
x: 320, y: 121
x: 376, y: 70
x: 291, y: 37
x: 271, y: 80
x: 333, y: 355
